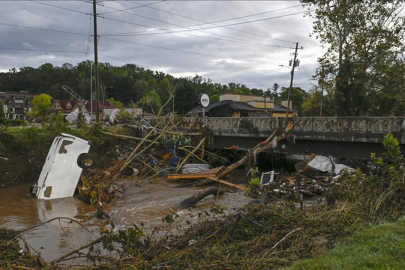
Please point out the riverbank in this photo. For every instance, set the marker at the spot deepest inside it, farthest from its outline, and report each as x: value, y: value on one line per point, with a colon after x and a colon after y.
x: 272, y: 230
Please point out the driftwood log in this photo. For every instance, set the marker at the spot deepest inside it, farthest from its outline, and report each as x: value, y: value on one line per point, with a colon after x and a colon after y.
x: 266, y: 144
x: 227, y: 183
x: 199, y: 196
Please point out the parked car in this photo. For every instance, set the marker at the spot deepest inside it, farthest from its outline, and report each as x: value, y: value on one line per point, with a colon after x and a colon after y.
x: 66, y: 159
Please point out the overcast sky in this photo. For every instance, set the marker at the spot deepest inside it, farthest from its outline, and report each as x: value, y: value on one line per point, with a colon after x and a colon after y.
x: 239, y: 52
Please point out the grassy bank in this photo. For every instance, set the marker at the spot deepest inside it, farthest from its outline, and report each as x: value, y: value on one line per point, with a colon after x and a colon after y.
x: 379, y: 247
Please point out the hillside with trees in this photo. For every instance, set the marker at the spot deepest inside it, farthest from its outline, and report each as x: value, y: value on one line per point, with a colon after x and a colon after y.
x: 129, y: 84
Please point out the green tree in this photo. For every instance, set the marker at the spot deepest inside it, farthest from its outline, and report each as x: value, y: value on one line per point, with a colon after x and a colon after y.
x: 312, y: 104
x: 117, y: 103
x: 256, y: 92
x: 214, y: 99
x: 151, y: 102
x: 141, y: 87
x: 2, y: 115
x: 163, y: 89
x: 298, y: 97
x: 238, y: 92
x: 364, y: 56
x: 41, y: 104
x: 274, y: 89
x: 185, y: 98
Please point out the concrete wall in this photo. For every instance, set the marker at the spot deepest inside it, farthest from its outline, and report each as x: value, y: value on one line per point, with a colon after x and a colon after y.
x: 285, y: 103
x: 349, y: 137
x: 261, y: 104
x: 344, y: 129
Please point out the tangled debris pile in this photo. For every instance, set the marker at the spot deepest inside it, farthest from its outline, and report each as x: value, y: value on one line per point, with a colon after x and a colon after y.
x: 12, y: 256
x: 318, y: 174
x: 302, y: 184
x: 270, y: 234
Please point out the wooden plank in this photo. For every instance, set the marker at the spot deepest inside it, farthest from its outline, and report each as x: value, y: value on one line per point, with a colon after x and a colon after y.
x: 189, y: 176
x: 198, y: 175
x: 127, y: 137
x: 227, y: 183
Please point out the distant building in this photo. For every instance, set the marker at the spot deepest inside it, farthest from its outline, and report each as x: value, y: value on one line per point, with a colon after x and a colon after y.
x: 16, y: 104
x: 134, y: 111
x: 68, y: 106
x: 105, y: 109
x: 262, y: 103
x: 234, y: 105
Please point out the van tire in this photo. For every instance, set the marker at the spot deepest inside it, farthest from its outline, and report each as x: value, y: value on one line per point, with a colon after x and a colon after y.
x: 85, y: 161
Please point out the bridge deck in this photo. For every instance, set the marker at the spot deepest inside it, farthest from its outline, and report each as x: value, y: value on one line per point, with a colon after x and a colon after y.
x: 351, y: 136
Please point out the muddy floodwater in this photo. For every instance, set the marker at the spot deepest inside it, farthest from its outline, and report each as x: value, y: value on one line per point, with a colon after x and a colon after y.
x: 147, y: 204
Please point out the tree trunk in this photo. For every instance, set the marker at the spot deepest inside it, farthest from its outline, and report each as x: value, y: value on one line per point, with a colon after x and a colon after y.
x: 199, y: 196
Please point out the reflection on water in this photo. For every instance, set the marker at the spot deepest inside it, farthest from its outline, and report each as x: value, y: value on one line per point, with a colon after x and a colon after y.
x: 20, y: 211
x: 146, y: 204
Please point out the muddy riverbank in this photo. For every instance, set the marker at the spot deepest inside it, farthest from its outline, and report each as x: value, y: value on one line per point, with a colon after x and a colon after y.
x: 147, y: 204
x: 152, y: 230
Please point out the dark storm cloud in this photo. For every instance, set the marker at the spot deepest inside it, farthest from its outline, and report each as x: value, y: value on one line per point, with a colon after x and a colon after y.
x: 255, y: 65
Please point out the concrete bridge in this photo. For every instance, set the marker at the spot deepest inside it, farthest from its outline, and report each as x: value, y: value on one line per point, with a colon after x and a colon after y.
x: 349, y: 137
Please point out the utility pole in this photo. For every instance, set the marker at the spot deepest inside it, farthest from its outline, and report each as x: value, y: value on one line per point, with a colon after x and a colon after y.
x: 322, y: 81
x: 91, y: 92
x: 97, y: 86
x: 292, y: 79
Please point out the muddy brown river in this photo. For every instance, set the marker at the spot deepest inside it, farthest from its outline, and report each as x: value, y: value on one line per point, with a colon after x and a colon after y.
x: 147, y: 204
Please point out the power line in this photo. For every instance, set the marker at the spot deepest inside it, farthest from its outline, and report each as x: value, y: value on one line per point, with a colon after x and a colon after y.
x: 138, y: 0
x: 213, y: 82
x: 68, y: 9
x: 38, y: 50
x: 213, y: 23
x: 213, y: 27
x: 236, y: 40
x: 170, y: 49
x: 42, y: 29
x: 244, y: 41
x: 89, y: 36
x: 132, y: 7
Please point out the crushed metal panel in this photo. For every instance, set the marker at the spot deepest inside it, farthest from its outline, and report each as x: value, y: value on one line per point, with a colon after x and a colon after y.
x: 61, y: 173
x: 326, y: 164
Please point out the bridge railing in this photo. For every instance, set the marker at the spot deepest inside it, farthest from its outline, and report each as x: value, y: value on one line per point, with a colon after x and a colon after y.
x: 305, y: 124
x: 354, y: 129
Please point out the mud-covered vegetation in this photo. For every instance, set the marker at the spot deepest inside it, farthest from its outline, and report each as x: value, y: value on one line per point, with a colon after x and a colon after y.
x: 272, y: 233
x: 12, y: 255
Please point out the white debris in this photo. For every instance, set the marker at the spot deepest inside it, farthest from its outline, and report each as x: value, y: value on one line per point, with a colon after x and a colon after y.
x: 326, y: 164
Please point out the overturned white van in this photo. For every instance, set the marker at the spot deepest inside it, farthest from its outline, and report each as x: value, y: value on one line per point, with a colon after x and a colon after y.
x: 63, y: 166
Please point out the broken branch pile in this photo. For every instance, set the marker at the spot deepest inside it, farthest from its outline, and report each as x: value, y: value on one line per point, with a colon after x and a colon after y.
x: 301, y: 184
x: 12, y: 256
x: 97, y: 185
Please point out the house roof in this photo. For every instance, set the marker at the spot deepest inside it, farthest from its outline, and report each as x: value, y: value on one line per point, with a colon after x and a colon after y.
x: 63, y: 104
x: 241, y: 106
x: 90, y: 106
x: 280, y: 108
x: 9, y: 99
x: 238, y: 106
x: 244, y: 106
x: 248, y: 95
x: 13, y: 93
